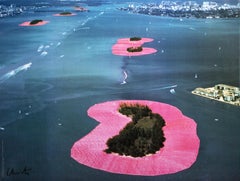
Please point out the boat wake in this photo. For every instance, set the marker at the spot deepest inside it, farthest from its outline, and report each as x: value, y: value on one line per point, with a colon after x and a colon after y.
x: 125, y: 76
x: 166, y: 87
x: 15, y: 71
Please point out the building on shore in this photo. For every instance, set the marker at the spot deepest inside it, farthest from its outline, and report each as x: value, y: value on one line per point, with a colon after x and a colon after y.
x: 220, y: 92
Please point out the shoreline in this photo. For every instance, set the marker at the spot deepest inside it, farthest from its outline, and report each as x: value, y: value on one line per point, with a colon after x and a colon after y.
x: 219, y: 100
x: 221, y: 93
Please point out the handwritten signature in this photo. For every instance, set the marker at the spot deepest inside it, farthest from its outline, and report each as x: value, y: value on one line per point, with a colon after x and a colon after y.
x: 14, y: 172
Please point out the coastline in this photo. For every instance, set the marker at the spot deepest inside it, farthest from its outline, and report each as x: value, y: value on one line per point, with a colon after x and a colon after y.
x: 220, y: 92
x: 219, y: 100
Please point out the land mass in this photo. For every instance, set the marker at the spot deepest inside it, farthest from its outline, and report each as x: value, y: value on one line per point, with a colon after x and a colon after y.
x: 180, y: 147
x: 36, y: 21
x: 186, y: 9
x: 142, y: 136
x: 65, y: 13
x: 220, y: 92
x: 134, y: 49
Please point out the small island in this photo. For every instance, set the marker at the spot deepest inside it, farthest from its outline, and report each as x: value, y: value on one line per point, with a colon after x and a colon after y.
x: 142, y: 136
x: 135, y: 38
x: 65, y: 13
x: 135, y: 49
x: 220, y: 92
x: 36, y: 21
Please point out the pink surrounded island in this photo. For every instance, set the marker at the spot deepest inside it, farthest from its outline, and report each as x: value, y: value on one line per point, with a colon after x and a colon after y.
x: 179, y: 152
x: 27, y: 23
x: 139, y: 42
x: 59, y: 14
x: 120, y: 48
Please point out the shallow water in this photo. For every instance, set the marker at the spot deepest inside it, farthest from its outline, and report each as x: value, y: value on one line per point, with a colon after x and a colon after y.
x: 43, y: 108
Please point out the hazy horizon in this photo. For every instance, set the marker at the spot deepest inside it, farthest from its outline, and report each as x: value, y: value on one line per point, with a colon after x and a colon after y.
x: 98, y: 2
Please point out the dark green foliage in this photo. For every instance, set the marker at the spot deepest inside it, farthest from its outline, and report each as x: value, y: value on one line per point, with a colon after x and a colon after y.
x: 135, y: 38
x: 140, y: 137
x: 36, y: 21
x: 65, y: 13
x: 134, y: 49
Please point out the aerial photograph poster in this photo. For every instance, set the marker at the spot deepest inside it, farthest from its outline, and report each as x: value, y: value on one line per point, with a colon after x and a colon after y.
x: 123, y: 90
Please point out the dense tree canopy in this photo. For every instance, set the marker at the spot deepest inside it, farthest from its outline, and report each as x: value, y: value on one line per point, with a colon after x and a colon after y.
x: 65, y: 13
x: 36, y: 21
x: 142, y: 136
x: 134, y: 49
x: 135, y: 38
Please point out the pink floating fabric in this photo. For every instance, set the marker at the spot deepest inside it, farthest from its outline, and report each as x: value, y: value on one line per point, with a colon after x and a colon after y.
x: 120, y: 48
x: 27, y: 23
x: 179, y: 152
x: 127, y: 41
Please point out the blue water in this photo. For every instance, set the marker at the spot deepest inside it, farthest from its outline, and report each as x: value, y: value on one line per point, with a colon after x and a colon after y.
x: 50, y: 75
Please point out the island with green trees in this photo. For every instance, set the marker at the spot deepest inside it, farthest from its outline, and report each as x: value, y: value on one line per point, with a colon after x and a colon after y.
x: 65, y: 13
x: 135, y: 49
x: 36, y: 21
x: 142, y: 136
x: 135, y: 38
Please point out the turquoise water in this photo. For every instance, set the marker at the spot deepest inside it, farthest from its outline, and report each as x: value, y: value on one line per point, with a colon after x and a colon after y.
x: 51, y: 75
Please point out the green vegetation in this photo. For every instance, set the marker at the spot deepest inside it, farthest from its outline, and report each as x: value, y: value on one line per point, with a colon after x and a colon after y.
x: 142, y: 136
x: 134, y: 49
x: 135, y: 38
x: 36, y: 21
x: 65, y: 13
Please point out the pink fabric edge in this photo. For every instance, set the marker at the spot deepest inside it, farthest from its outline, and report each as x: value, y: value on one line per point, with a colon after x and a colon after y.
x: 27, y: 23
x: 179, y: 152
x: 120, y: 48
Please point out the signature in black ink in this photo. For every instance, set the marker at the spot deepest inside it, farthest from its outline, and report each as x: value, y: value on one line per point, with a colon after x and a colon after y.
x: 14, y: 172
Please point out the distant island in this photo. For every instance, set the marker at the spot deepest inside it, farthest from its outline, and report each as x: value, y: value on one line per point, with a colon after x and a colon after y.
x: 142, y: 136
x: 65, y: 13
x: 36, y: 21
x: 220, y: 92
x: 188, y: 9
x: 135, y: 49
x: 81, y: 9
